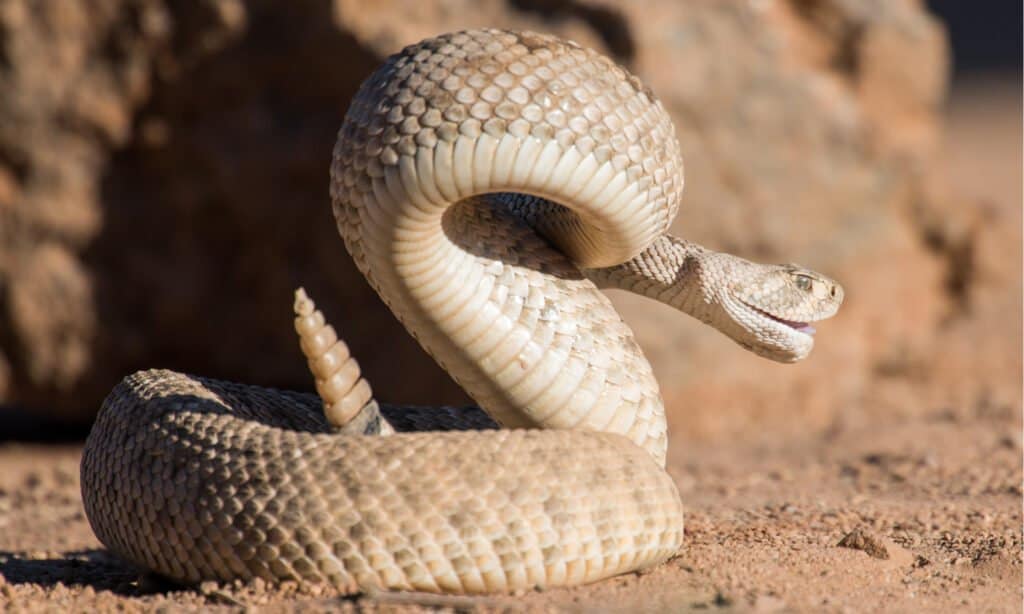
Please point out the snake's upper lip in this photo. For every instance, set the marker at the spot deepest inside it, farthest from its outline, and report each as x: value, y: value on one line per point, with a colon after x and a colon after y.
x: 800, y: 327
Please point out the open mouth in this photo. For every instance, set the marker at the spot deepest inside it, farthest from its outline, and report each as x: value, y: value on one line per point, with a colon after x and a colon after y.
x: 800, y: 327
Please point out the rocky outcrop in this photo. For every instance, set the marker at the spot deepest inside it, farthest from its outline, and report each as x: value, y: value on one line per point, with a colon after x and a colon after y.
x: 163, y: 182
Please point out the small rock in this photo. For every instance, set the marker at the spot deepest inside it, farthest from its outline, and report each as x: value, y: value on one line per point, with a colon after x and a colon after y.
x: 859, y: 539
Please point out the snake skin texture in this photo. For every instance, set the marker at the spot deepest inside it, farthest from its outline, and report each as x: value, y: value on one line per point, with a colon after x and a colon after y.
x: 487, y: 184
x: 217, y: 480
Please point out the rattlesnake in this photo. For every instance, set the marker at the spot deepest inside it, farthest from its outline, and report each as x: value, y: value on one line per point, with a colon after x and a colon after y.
x: 444, y: 182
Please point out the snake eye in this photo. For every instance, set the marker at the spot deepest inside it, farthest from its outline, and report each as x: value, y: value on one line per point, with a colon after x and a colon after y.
x: 804, y: 282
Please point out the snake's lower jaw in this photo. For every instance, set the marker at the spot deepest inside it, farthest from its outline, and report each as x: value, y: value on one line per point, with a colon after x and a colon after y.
x: 773, y: 352
x: 792, y: 355
x: 799, y: 344
x: 760, y: 332
x: 781, y: 342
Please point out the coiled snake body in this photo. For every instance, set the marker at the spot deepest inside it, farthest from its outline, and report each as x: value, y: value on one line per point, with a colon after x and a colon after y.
x: 487, y: 183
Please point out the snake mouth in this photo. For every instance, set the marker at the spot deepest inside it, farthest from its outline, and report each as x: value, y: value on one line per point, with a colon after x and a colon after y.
x: 800, y: 327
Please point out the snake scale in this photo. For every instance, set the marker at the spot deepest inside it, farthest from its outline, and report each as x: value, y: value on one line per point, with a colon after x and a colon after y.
x: 488, y: 184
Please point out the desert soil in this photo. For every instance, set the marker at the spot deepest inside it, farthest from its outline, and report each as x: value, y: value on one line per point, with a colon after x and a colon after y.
x: 926, y: 503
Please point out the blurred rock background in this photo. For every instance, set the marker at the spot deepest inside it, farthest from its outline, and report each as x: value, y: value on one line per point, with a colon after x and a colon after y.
x: 163, y: 188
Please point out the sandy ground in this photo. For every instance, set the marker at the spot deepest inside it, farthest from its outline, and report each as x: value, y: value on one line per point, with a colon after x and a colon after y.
x: 926, y: 502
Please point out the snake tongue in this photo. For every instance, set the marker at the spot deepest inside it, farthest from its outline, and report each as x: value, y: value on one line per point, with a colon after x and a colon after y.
x: 805, y: 328
x: 800, y: 327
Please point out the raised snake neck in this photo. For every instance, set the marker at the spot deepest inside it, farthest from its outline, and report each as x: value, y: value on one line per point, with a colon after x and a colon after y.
x: 198, y: 479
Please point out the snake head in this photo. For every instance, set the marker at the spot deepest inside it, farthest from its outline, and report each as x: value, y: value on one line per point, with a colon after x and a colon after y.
x: 772, y: 307
x: 766, y: 308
